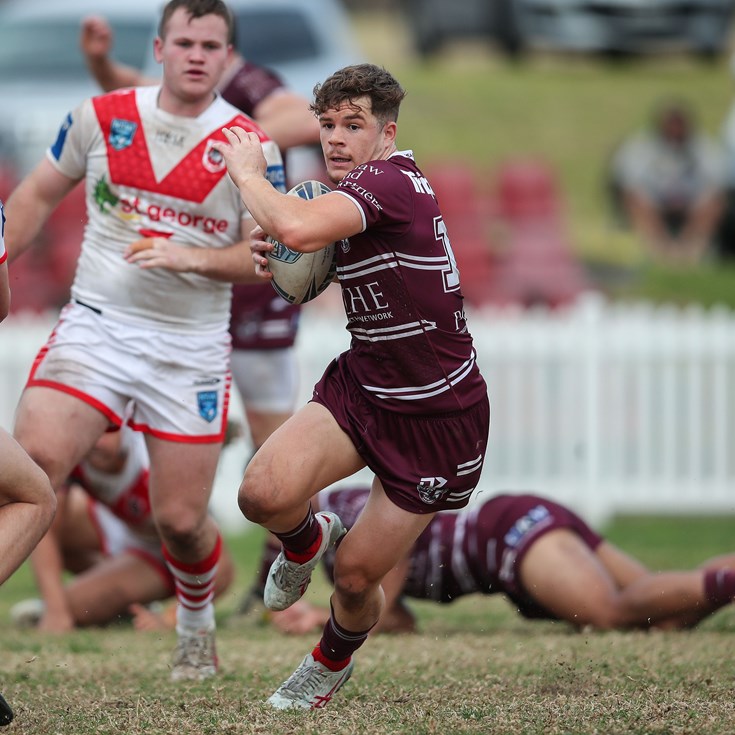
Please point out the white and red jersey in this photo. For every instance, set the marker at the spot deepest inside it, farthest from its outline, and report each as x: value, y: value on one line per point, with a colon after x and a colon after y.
x: 125, y: 493
x: 153, y: 174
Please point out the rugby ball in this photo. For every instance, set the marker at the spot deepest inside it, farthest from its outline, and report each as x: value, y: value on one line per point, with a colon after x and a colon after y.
x: 301, y: 277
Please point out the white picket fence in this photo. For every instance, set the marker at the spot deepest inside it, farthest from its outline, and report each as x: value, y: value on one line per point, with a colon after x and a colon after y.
x: 608, y: 408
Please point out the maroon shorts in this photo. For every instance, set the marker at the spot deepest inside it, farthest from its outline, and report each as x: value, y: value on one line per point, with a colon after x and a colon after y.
x: 425, y: 463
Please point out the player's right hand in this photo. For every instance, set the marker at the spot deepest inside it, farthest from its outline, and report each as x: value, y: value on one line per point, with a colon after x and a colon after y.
x: 259, y: 246
x: 146, y: 620
x: 302, y: 617
x: 95, y: 38
x: 56, y: 623
x: 161, y: 252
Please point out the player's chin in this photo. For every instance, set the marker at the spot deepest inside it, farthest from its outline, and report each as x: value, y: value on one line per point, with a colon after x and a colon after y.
x: 195, y: 86
x: 336, y: 170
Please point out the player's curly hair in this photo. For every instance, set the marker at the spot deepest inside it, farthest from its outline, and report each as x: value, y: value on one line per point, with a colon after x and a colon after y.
x: 197, y: 9
x: 361, y: 80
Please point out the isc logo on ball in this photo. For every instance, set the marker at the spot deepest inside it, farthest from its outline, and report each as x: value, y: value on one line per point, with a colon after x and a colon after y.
x: 301, y: 277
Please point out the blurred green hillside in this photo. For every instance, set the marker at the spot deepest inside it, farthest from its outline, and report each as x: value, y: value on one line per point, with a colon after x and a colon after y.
x: 473, y: 105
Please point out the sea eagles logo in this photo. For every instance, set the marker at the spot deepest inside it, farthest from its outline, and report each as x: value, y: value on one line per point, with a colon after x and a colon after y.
x: 122, y: 133
x: 212, y: 159
x: 345, y: 245
x: 431, y: 489
x: 207, y: 402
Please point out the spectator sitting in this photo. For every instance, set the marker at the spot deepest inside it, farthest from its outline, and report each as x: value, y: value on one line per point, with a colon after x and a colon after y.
x: 669, y: 184
x: 726, y: 234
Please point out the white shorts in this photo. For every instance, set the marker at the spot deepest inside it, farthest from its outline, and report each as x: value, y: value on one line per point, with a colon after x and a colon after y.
x: 118, y: 538
x: 177, y: 384
x: 267, y: 380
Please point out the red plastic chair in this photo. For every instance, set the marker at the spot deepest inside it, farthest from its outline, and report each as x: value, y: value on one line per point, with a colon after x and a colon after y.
x: 538, y: 265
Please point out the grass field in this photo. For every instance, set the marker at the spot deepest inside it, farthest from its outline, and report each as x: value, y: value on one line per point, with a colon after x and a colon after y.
x: 475, y: 667
x: 472, y: 105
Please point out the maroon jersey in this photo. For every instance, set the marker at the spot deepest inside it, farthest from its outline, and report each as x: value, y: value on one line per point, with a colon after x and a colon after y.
x: 261, y: 320
x: 411, y: 349
x: 478, y: 550
x: 249, y: 86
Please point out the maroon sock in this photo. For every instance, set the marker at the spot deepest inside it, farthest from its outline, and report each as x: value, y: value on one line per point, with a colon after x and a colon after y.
x: 338, y: 644
x: 301, y: 543
x: 719, y: 586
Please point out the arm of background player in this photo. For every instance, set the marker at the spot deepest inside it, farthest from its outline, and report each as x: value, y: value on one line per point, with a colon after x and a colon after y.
x: 48, y: 569
x: 95, y: 42
x: 286, y: 118
x: 30, y: 205
x: 233, y: 263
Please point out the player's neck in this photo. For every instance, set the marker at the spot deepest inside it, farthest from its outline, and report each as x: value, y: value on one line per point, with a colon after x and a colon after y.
x: 175, y: 105
x: 388, y: 151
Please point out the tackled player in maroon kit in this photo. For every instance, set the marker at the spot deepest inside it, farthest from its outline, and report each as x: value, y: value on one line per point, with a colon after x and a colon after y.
x: 406, y: 399
x: 540, y: 554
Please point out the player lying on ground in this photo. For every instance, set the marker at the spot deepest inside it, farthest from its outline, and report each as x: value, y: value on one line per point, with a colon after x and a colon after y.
x: 109, y: 541
x: 544, y: 558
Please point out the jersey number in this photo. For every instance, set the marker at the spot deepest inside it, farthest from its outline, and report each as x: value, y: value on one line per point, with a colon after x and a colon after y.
x: 451, y: 272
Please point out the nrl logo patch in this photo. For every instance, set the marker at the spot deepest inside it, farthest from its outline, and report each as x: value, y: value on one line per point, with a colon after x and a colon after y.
x: 122, y: 133
x: 431, y: 489
x: 212, y: 160
x: 207, y: 402
x: 284, y: 254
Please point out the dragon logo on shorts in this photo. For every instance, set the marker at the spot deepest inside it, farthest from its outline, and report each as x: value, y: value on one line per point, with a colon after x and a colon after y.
x: 122, y: 133
x: 430, y: 489
x: 207, y: 402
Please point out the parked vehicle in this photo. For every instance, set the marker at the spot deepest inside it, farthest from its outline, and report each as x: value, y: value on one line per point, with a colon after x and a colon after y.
x: 611, y: 27
x: 44, y: 75
x: 628, y: 26
x: 434, y: 23
x: 43, y: 71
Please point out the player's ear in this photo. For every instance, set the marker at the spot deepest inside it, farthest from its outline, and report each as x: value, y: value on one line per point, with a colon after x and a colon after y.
x: 390, y: 130
x: 158, y: 49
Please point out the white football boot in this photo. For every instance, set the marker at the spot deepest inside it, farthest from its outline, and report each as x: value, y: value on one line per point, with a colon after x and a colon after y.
x: 195, y: 657
x: 311, y: 686
x: 287, y: 580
